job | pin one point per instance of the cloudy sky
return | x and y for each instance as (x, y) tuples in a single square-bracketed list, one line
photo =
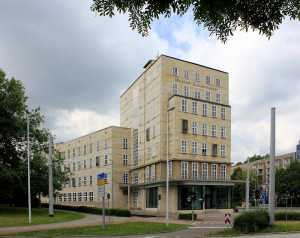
[(75, 65)]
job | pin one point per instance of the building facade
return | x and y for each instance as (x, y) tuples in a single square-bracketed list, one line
[(175, 106)]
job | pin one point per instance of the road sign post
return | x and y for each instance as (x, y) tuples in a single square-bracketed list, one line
[(227, 219), (101, 193)]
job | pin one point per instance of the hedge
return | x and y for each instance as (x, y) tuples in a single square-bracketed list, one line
[(91, 210), (291, 216), (187, 216), (250, 222)]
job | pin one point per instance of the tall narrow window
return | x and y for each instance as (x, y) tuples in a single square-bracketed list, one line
[(207, 96), (204, 109), (218, 82), (97, 161), (79, 197), (184, 170), (84, 149), (68, 154), (105, 143), (186, 74), (84, 180), (74, 197), (125, 178), (218, 98), (214, 111), (79, 181), (91, 147), (195, 107), (125, 143), (223, 132), (153, 150), (147, 173), (204, 148), (186, 91), (184, 105), (204, 170), (79, 165), (91, 196), (84, 164), (197, 95), (148, 134), (184, 146), (175, 88), (194, 147), (85, 196), (74, 166), (214, 172), (98, 145), (194, 170), (195, 127), (197, 77), (184, 126), (91, 163), (73, 152), (105, 160), (223, 172), (223, 113), (175, 71), (148, 152), (214, 150), (153, 172), (91, 180), (207, 79), (170, 169), (78, 151), (204, 129), (223, 151), (153, 131), (214, 130), (125, 159)]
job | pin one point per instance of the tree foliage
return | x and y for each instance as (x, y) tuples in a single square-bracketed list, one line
[(257, 157), (13, 146), (220, 17)]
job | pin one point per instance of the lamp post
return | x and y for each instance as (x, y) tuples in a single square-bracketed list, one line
[(28, 157), (204, 178), (167, 180), (247, 187)]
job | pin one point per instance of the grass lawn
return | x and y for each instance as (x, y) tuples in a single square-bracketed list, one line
[(113, 229), (18, 216), (279, 226)]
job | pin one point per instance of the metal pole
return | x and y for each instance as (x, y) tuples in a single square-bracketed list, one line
[(112, 185), (286, 208), (103, 213), (193, 207), (29, 190), (247, 187), (204, 177), (50, 178), (272, 169), (157, 197)]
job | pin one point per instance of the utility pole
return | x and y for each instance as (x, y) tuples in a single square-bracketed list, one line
[(28, 155), (247, 187), (272, 169), (50, 178)]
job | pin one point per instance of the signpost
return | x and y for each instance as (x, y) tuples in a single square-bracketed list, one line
[(101, 193), (227, 219), (264, 196)]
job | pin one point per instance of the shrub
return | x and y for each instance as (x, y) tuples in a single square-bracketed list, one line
[(186, 216), (291, 216), (250, 222)]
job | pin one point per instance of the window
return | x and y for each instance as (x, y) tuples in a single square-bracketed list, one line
[(207, 79), (153, 151), (148, 152), (105, 178), (91, 162), (195, 127), (84, 164), (91, 147), (223, 172), (214, 111), (69, 197), (91, 196), (218, 98), (78, 150), (197, 95), (85, 196), (184, 146), (204, 129), (125, 143), (68, 154), (84, 149), (207, 96), (186, 74), (73, 182), (135, 177), (153, 172), (79, 182), (153, 111), (65, 197), (91, 180), (148, 134), (175, 88), (105, 160), (195, 107), (186, 91), (84, 180), (79, 165), (125, 159), (79, 197), (204, 170), (197, 77), (98, 145), (184, 105), (170, 169), (204, 109), (223, 113), (184, 126), (223, 132), (74, 166), (73, 152), (214, 130), (125, 178), (105, 143), (214, 172), (184, 170), (153, 131), (214, 150), (60, 197), (194, 170), (175, 71), (97, 161), (147, 173), (194, 147), (204, 148), (223, 151)]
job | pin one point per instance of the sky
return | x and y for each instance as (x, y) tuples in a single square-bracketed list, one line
[(75, 65)]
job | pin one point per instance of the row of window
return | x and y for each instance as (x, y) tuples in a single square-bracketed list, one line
[(195, 109), (214, 129), (204, 150), (74, 197), (186, 75), (197, 94), (105, 146)]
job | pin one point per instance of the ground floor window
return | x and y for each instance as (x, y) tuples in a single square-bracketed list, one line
[(151, 197), (216, 197)]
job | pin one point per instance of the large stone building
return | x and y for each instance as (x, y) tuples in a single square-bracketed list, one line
[(183, 101)]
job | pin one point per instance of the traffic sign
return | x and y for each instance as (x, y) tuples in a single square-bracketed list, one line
[(101, 182), (263, 195), (276, 197), (227, 219), (101, 176), (101, 194), (264, 187)]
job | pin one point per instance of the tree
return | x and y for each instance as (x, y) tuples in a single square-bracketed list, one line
[(13, 146), (220, 17)]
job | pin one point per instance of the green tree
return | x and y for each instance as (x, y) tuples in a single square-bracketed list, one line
[(13, 146), (220, 17)]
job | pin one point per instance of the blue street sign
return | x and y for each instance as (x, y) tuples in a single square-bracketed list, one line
[(264, 196), (100, 176)]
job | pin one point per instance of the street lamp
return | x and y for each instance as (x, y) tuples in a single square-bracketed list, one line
[(167, 181), (28, 157), (204, 178)]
